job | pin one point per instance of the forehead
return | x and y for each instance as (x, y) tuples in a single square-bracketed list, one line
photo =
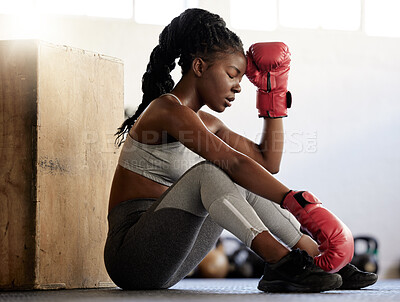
[(236, 59)]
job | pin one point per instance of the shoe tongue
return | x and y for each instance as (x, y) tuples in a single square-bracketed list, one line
[(296, 257), (303, 259)]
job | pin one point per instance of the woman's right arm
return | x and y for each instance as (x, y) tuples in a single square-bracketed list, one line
[(185, 125)]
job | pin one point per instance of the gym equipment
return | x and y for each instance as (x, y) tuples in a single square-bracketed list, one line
[(215, 264), (243, 262), (60, 108), (239, 262), (366, 257)]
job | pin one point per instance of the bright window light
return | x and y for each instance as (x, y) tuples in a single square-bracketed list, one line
[(16, 7), (95, 8), (327, 14), (341, 14), (160, 12), (254, 14), (25, 22), (299, 14), (382, 18)]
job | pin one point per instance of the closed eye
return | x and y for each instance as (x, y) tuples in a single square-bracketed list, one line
[(231, 77)]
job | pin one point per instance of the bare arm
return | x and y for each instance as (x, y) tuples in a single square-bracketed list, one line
[(187, 127), (271, 144), (267, 153)]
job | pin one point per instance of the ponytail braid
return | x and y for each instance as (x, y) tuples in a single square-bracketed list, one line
[(194, 33)]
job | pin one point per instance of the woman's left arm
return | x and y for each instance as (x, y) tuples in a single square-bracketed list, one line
[(268, 152)]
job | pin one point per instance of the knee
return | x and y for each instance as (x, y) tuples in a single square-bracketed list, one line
[(206, 168), (205, 165)]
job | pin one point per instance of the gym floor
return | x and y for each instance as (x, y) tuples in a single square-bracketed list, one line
[(228, 290)]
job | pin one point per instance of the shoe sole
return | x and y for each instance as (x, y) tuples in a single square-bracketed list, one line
[(279, 286), (357, 284)]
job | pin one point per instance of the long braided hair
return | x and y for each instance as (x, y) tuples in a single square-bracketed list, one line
[(194, 33)]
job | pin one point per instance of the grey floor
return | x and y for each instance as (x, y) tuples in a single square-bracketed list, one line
[(228, 290)]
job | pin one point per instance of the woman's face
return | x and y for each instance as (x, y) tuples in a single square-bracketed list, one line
[(221, 81)]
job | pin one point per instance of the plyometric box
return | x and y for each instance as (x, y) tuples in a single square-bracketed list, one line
[(59, 109)]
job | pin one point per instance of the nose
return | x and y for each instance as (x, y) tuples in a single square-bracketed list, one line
[(237, 88)]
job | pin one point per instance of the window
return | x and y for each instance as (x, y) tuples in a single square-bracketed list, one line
[(300, 14), (160, 12), (254, 14), (327, 14), (382, 18), (341, 14), (16, 6), (95, 8)]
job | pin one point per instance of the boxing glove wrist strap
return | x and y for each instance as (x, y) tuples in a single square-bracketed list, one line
[(273, 104)]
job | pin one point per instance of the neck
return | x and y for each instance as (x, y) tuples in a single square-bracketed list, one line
[(186, 91)]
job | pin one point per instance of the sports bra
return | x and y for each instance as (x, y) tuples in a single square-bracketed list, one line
[(163, 163)]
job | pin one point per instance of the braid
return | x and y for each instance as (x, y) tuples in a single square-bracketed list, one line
[(195, 33)]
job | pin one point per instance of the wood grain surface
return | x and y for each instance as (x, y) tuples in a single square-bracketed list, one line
[(59, 158)]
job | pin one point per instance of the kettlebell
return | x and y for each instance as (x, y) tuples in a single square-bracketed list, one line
[(215, 264), (367, 258), (243, 262)]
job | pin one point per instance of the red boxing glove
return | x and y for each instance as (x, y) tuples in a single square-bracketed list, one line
[(268, 67), (335, 240)]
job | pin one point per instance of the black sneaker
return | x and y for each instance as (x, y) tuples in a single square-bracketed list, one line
[(353, 278), (297, 273)]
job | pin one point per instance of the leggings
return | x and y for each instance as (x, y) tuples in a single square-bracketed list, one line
[(155, 243)]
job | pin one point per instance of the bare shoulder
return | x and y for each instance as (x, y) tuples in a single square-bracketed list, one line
[(162, 110), (167, 109), (195, 130), (213, 123), (161, 116), (164, 104)]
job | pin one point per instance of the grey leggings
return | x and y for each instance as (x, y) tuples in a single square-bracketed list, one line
[(154, 243)]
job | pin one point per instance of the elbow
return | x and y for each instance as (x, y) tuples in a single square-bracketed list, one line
[(273, 169), (271, 162)]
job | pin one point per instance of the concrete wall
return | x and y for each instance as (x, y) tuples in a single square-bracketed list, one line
[(342, 132)]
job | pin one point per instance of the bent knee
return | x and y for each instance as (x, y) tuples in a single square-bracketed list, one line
[(206, 168), (204, 165)]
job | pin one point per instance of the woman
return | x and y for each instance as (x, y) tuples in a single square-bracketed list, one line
[(183, 176)]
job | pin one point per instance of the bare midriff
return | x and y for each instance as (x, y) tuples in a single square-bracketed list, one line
[(130, 185)]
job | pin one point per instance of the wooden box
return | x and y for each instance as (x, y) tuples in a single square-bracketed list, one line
[(60, 107)]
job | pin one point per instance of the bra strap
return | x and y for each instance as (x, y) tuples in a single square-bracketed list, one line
[(173, 95)]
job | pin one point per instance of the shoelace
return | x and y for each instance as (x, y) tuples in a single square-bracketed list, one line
[(307, 260)]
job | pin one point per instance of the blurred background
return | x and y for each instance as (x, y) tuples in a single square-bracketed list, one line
[(342, 133)]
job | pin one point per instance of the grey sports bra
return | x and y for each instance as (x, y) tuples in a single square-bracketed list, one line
[(164, 163)]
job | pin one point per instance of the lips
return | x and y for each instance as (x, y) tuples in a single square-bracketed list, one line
[(228, 103)]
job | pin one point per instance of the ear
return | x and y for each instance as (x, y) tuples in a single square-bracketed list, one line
[(199, 66)]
